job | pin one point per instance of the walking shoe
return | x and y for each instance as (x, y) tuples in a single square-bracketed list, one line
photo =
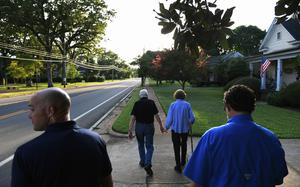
[(178, 169), (148, 170), (141, 164)]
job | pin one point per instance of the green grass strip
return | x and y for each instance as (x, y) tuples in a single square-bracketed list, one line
[(121, 124)]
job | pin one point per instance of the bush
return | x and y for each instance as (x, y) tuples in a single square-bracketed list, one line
[(291, 95), (252, 83), (237, 67), (101, 78), (275, 98)]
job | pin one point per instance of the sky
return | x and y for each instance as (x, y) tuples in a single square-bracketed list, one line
[(134, 29)]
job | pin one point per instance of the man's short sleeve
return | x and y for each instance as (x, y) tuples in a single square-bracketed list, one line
[(278, 161), (133, 111), (18, 177), (155, 110), (198, 167)]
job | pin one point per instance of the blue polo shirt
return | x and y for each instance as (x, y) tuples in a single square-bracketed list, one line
[(64, 155), (239, 153), (180, 116)]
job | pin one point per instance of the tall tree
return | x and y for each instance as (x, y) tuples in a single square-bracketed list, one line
[(82, 25), (196, 26), (246, 39), (181, 66), (68, 24), (144, 63), (285, 8)]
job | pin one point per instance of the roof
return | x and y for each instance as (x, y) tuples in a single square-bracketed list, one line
[(293, 27), (222, 58)]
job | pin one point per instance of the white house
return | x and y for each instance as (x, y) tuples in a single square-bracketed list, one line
[(281, 46)]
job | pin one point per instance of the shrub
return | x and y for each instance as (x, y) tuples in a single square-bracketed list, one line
[(237, 67), (252, 83), (291, 95), (275, 98), (101, 78)]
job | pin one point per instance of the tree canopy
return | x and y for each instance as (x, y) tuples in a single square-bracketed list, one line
[(58, 24), (246, 39), (197, 25), (285, 8)]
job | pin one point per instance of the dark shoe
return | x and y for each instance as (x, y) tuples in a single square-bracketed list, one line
[(141, 164), (148, 170), (178, 169)]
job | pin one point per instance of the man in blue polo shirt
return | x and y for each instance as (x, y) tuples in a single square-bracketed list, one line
[(64, 155), (239, 153)]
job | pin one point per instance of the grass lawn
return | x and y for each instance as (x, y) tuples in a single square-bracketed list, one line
[(121, 124), (21, 89), (208, 108)]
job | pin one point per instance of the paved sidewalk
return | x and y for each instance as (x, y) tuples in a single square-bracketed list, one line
[(126, 171)]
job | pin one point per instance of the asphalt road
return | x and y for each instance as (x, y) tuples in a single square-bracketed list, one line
[(88, 106)]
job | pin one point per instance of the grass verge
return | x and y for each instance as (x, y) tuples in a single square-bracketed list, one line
[(208, 108), (121, 124)]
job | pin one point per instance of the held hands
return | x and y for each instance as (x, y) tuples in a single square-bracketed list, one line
[(163, 130), (130, 135)]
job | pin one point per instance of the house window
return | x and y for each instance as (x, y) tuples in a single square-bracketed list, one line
[(278, 35)]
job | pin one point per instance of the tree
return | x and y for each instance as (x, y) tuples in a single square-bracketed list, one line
[(82, 25), (181, 66), (246, 39), (196, 27), (69, 24), (144, 63), (16, 71), (72, 71), (285, 8), (157, 72)]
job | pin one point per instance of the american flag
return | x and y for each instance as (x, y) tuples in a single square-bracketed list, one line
[(264, 66)]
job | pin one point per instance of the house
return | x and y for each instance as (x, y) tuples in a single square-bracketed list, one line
[(213, 61), (281, 46)]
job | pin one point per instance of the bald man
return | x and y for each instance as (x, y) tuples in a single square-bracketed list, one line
[(65, 154)]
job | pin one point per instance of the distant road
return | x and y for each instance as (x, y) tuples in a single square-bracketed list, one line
[(88, 106)]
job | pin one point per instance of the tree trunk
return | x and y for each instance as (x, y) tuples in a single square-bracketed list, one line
[(143, 81), (49, 74), (182, 84)]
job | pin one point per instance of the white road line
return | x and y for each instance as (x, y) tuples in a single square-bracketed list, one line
[(107, 113), (12, 156), (75, 119), (6, 160)]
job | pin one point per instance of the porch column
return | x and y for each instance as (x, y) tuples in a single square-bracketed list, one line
[(251, 69), (263, 81), (279, 75)]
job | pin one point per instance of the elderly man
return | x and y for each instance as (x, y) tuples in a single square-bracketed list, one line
[(239, 153), (65, 154), (142, 114)]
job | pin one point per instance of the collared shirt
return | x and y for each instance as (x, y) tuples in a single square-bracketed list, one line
[(64, 155), (239, 153), (144, 110), (180, 116)]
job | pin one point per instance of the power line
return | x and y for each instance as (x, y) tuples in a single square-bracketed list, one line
[(30, 51), (87, 66), (29, 59)]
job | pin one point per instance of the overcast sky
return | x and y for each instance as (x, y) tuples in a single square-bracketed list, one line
[(134, 28)]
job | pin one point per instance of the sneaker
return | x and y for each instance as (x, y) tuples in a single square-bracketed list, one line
[(141, 164), (178, 169), (148, 171)]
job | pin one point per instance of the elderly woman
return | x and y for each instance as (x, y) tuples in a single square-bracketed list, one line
[(180, 118)]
